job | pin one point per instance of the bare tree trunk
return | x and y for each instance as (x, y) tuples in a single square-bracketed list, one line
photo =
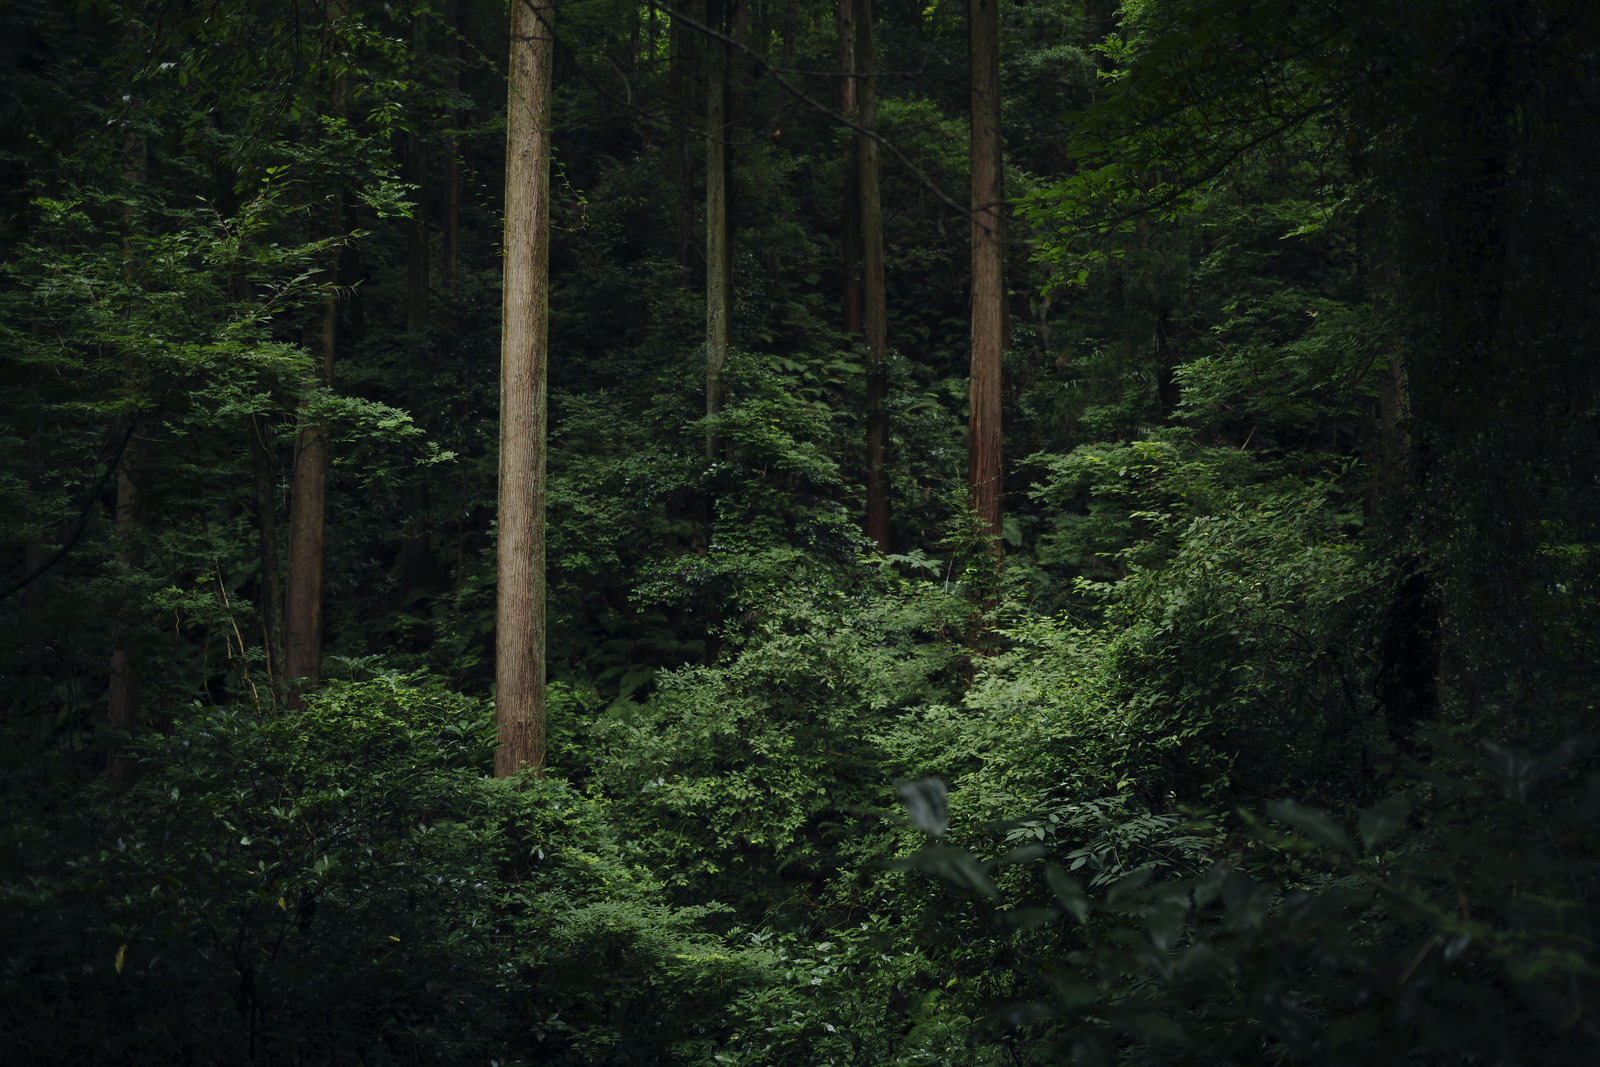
[(308, 494), (308, 502), (873, 289), (988, 271), (850, 236), (719, 286), (520, 601)]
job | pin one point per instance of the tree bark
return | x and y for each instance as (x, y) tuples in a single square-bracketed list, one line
[(719, 287), (875, 299), (520, 602), (850, 224), (308, 503), (988, 272), (308, 494)]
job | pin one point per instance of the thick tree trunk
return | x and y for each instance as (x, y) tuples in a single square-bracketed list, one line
[(875, 300), (719, 286), (988, 271), (520, 601)]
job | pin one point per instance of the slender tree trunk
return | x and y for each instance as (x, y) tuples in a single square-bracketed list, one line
[(308, 502), (719, 287), (988, 271), (520, 602), (873, 290), (850, 222), (308, 494)]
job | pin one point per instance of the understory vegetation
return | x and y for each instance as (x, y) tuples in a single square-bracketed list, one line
[(1262, 733)]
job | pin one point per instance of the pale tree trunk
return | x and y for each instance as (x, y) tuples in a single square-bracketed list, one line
[(988, 271), (872, 281), (520, 599), (719, 287)]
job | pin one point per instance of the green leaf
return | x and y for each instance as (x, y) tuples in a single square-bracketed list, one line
[(1383, 820), (1314, 825), (927, 803)]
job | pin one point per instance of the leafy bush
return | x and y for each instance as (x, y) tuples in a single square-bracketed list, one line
[(1458, 930), (344, 884)]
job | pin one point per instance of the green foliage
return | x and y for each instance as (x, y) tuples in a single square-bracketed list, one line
[(340, 883), (1448, 930), (756, 779)]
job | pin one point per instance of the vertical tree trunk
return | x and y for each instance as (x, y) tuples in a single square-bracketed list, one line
[(875, 299), (308, 494), (308, 502), (988, 271), (520, 602), (850, 235), (719, 287)]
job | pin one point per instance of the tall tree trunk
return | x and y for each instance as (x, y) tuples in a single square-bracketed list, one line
[(873, 291), (308, 494), (988, 271), (850, 235), (308, 502), (520, 601), (719, 286)]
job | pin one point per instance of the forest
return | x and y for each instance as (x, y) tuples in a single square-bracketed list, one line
[(924, 532)]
